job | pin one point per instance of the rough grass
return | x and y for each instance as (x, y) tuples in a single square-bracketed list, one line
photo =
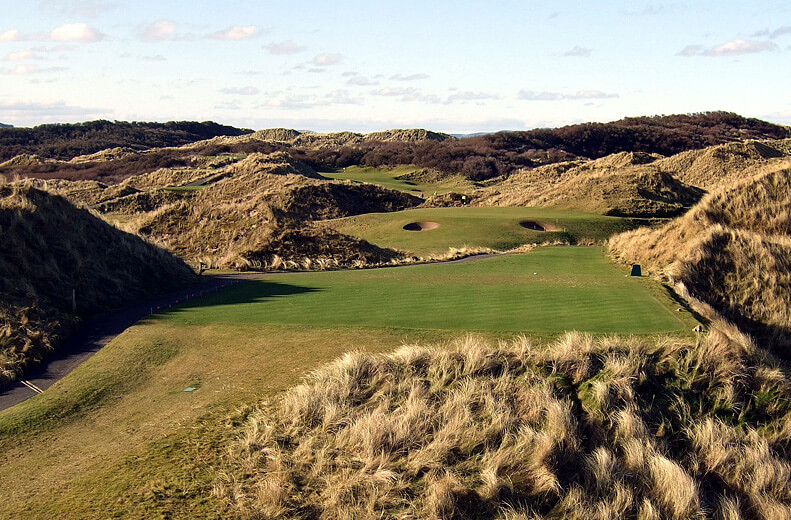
[(585, 429), (627, 184), (731, 251)]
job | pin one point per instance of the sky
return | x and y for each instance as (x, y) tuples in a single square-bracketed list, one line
[(453, 66)]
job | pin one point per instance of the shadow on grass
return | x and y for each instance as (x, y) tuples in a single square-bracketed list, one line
[(253, 291)]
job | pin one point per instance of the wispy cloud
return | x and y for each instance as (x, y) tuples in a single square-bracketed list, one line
[(410, 77), (654, 9), (407, 94), (240, 91), (236, 33), (326, 59), (81, 8), (20, 56), (26, 69), (532, 95), (737, 47), (361, 81), (161, 30), (781, 31), (283, 48), (464, 96), (68, 32), (28, 112), (75, 32), (578, 51)]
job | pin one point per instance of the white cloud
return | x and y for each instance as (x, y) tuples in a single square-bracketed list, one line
[(361, 81), (411, 77), (326, 59), (28, 113), (158, 31), (236, 33), (470, 96), (286, 47), (20, 56), (532, 95), (780, 31), (11, 35), (75, 32), (406, 94), (342, 97), (578, 51), (154, 57), (22, 70), (737, 47), (241, 91)]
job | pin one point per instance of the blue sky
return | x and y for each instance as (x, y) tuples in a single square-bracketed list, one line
[(454, 66)]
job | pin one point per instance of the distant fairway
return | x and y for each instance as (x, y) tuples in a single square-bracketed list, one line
[(386, 177), (492, 227), (550, 290)]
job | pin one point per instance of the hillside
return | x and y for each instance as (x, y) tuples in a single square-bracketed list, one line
[(732, 252), (66, 141), (490, 155), (245, 212), (51, 248), (625, 184)]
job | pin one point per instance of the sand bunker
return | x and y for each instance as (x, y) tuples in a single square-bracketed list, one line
[(538, 226), (421, 226)]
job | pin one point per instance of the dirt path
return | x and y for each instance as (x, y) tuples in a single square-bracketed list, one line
[(99, 331)]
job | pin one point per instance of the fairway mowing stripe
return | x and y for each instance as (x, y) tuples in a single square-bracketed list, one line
[(31, 386)]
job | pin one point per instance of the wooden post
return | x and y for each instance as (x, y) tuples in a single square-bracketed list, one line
[(74, 301)]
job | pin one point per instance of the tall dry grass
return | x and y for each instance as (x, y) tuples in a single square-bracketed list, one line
[(51, 248), (586, 428), (731, 251)]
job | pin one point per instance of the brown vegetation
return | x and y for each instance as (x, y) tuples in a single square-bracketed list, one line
[(582, 429), (731, 251), (51, 248), (623, 184), (258, 212)]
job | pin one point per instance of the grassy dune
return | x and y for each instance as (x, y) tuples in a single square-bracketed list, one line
[(495, 228), (584, 429)]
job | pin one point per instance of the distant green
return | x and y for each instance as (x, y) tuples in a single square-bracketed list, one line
[(549, 290), (387, 178), (492, 227)]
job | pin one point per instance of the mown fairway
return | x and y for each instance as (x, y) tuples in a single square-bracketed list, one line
[(491, 227), (549, 290), (388, 178)]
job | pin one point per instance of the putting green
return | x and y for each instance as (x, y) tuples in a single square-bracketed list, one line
[(388, 178), (491, 227), (549, 290)]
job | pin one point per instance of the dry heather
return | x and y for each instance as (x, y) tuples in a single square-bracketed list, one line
[(50, 248), (626, 184), (719, 166), (731, 251), (582, 429)]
